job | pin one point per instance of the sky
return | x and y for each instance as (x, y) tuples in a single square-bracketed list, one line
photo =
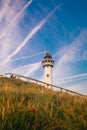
[(30, 28)]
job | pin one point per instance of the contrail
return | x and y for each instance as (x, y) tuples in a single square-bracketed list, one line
[(27, 69), (30, 35), (73, 77), (33, 69), (25, 57), (13, 22)]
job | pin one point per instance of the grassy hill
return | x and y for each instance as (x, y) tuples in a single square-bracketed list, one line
[(27, 106)]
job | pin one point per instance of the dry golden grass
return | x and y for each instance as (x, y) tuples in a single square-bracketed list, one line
[(27, 106)]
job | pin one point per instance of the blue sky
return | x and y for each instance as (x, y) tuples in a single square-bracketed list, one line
[(29, 28)]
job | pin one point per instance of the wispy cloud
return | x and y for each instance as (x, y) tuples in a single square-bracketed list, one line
[(14, 21), (11, 13), (3, 8), (70, 54), (34, 68), (30, 35), (7, 43), (76, 49), (73, 77), (26, 57), (10, 37), (27, 70), (80, 87)]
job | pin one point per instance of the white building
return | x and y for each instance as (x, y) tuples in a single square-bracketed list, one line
[(48, 63)]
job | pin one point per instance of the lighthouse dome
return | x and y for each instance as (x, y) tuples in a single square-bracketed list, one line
[(47, 56)]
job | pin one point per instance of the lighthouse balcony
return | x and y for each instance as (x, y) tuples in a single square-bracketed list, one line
[(48, 63)]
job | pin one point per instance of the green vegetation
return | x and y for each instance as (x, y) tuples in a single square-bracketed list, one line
[(27, 106)]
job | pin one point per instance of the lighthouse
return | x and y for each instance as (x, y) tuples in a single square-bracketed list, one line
[(48, 63)]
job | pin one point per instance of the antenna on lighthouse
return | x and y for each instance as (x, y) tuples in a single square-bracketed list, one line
[(48, 63)]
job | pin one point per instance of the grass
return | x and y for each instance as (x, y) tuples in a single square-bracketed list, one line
[(27, 106)]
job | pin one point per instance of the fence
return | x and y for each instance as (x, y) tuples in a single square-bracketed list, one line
[(28, 79)]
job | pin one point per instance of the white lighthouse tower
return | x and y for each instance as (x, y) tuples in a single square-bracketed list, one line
[(48, 63)]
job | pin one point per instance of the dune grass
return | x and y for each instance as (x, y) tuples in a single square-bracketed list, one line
[(27, 106)]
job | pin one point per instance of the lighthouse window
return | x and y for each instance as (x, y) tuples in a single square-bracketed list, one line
[(47, 75)]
